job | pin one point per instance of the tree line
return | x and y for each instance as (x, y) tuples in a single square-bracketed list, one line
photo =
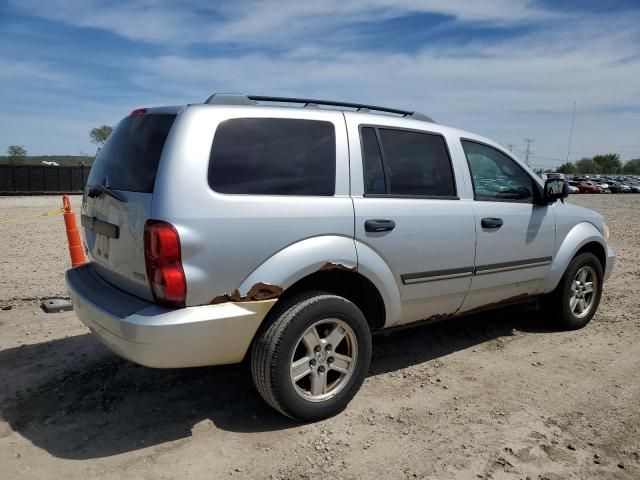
[(608, 164), (17, 154), (61, 160)]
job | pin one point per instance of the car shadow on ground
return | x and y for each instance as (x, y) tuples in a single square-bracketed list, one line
[(101, 405)]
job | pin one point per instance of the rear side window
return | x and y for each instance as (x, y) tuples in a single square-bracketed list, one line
[(274, 156), (408, 164), (130, 157), (373, 170)]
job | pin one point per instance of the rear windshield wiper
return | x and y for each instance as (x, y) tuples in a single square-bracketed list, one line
[(98, 189)]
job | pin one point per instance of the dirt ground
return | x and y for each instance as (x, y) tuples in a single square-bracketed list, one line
[(493, 396)]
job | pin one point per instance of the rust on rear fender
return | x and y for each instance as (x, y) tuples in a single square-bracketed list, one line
[(259, 291), (267, 291), (336, 266)]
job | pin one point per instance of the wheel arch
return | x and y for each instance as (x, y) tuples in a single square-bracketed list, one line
[(351, 285), (334, 264), (583, 237), (597, 249)]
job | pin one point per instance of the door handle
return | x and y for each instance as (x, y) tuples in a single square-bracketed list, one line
[(379, 225), (491, 222)]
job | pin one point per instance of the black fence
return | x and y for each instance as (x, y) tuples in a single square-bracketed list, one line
[(42, 179)]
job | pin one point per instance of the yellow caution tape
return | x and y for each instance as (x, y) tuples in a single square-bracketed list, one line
[(58, 211)]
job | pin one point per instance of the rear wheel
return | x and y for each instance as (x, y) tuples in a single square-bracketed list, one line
[(310, 362), (577, 296)]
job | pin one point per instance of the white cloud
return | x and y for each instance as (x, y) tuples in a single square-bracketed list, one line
[(32, 72), (264, 22), (524, 87), (508, 91), (274, 20), (526, 75), (151, 21)]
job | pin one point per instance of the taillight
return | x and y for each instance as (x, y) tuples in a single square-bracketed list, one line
[(164, 264), (138, 112)]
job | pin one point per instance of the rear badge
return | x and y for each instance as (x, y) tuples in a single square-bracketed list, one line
[(139, 275)]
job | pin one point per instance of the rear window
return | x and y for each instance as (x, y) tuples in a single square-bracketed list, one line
[(274, 156), (129, 159), (409, 163)]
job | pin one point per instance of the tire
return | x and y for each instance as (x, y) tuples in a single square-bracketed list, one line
[(332, 380), (559, 304)]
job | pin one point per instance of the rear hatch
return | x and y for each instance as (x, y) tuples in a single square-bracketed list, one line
[(125, 168)]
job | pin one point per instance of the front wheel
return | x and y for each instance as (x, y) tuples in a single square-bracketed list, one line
[(576, 298), (310, 362)]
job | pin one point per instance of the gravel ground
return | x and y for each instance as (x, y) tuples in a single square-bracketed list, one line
[(35, 249), (493, 396)]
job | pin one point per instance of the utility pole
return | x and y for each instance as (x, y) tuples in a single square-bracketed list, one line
[(573, 119), (528, 153)]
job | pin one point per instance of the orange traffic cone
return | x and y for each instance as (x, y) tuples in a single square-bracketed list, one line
[(73, 235)]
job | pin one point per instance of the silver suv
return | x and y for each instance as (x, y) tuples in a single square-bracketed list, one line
[(287, 230)]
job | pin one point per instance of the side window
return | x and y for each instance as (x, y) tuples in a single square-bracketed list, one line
[(496, 177), (409, 163), (373, 172), (274, 156)]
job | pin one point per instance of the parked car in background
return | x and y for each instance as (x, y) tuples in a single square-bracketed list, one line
[(603, 184), (589, 187), (618, 187), (246, 227), (548, 175), (615, 187)]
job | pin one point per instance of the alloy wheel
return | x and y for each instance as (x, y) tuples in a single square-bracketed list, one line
[(324, 359), (583, 291)]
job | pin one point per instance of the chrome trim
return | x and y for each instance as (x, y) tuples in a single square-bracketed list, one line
[(486, 269), (432, 278), (435, 275)]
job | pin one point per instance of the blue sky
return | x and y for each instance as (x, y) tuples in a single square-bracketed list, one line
[(507, 69)]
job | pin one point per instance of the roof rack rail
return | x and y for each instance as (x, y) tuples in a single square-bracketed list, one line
[(241, 99)]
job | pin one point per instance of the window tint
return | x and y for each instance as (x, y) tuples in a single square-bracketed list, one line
[(129, 159), (274, 156), (374, 175), (496, 177), (415, 164)]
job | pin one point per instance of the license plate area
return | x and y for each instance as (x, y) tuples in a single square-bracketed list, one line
[(100, 227)]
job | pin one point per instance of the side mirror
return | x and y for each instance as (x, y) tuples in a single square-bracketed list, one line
[(555, 189)]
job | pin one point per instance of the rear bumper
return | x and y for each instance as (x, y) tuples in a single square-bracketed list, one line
[(150, 335), (611, 260)]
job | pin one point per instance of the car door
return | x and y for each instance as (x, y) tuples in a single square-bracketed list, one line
[(407, 209), (515, 234)]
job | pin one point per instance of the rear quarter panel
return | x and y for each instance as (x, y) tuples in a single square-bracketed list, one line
[(225, 238)]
